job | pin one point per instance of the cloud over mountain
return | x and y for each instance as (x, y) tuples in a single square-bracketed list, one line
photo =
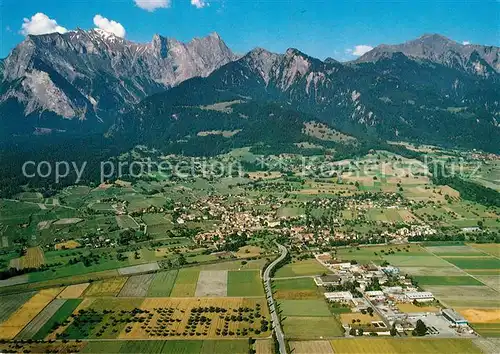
[(41, 24), (109, 26), (359, 50)]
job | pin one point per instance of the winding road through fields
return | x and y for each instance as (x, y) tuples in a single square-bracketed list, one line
[(269, 295)]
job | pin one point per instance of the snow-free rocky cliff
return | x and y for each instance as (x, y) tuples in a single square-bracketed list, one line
[(94, 75)]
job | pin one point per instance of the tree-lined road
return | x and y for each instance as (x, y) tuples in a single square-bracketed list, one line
[(269, 294)]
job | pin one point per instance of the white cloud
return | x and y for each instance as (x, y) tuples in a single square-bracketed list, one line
[(199, 3), (465, 42), (109, 26), (41, 24), (151, 5), (359, 50)]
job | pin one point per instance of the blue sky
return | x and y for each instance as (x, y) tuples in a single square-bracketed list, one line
[(319, 28)]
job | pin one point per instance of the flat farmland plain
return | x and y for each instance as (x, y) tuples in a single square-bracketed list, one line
[(465, 296), (311, 346), (162, 284), (108, 287), (312, 327), (60, 316), (33, 258), (39, 321), (298, 268), (446, 280), (244, 283), (212, 283), (475, 262), (185, 283), (308, 308), (136, 286), (395, 346), (295, 289), (185, 318), (492, 249), (27, 312), (73, 291), (10, 303)]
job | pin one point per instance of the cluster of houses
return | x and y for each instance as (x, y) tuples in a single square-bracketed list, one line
[(386, 301)]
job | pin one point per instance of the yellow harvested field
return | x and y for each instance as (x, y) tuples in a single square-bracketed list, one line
[(68, 245), (364, 319), (410, 308), (19, 319), (108, 287), (311, 346), (162, 325), (73, 291), (481, 315), (33, 258), (406, 345), (263, 346), (248, 251)]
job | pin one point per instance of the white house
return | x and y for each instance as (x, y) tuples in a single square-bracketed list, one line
[(339, 296), (420, 296)]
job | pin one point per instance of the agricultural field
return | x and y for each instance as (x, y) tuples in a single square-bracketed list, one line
[(485, 321), (244, 283), (492, 249), (61, 315), (33, 258), (39, 321), (126, 222), (108, 287), (212, 283), (299, 268), (377, 254), (162, 284), (295, 289), (10, 303), (26, 313), (465, 296), (73, 291), (444, 280), (311, 346), (312, 327), (396, 345), (185, 283), (199, 317), (306, 308), (136, 286)]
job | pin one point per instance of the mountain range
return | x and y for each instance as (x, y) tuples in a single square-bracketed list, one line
[(431, 89)]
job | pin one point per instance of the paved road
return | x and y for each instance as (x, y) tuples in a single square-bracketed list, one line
[(269, 294)]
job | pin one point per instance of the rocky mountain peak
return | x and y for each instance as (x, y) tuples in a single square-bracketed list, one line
[(95, 71), (440, 49)]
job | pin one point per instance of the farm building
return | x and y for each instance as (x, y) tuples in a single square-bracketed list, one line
[(339, 296), (420, 296), (454, 317), (326, 280)]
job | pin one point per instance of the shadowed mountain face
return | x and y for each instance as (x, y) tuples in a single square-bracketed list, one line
[(396, 96), (63, 80), (430, 89)]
